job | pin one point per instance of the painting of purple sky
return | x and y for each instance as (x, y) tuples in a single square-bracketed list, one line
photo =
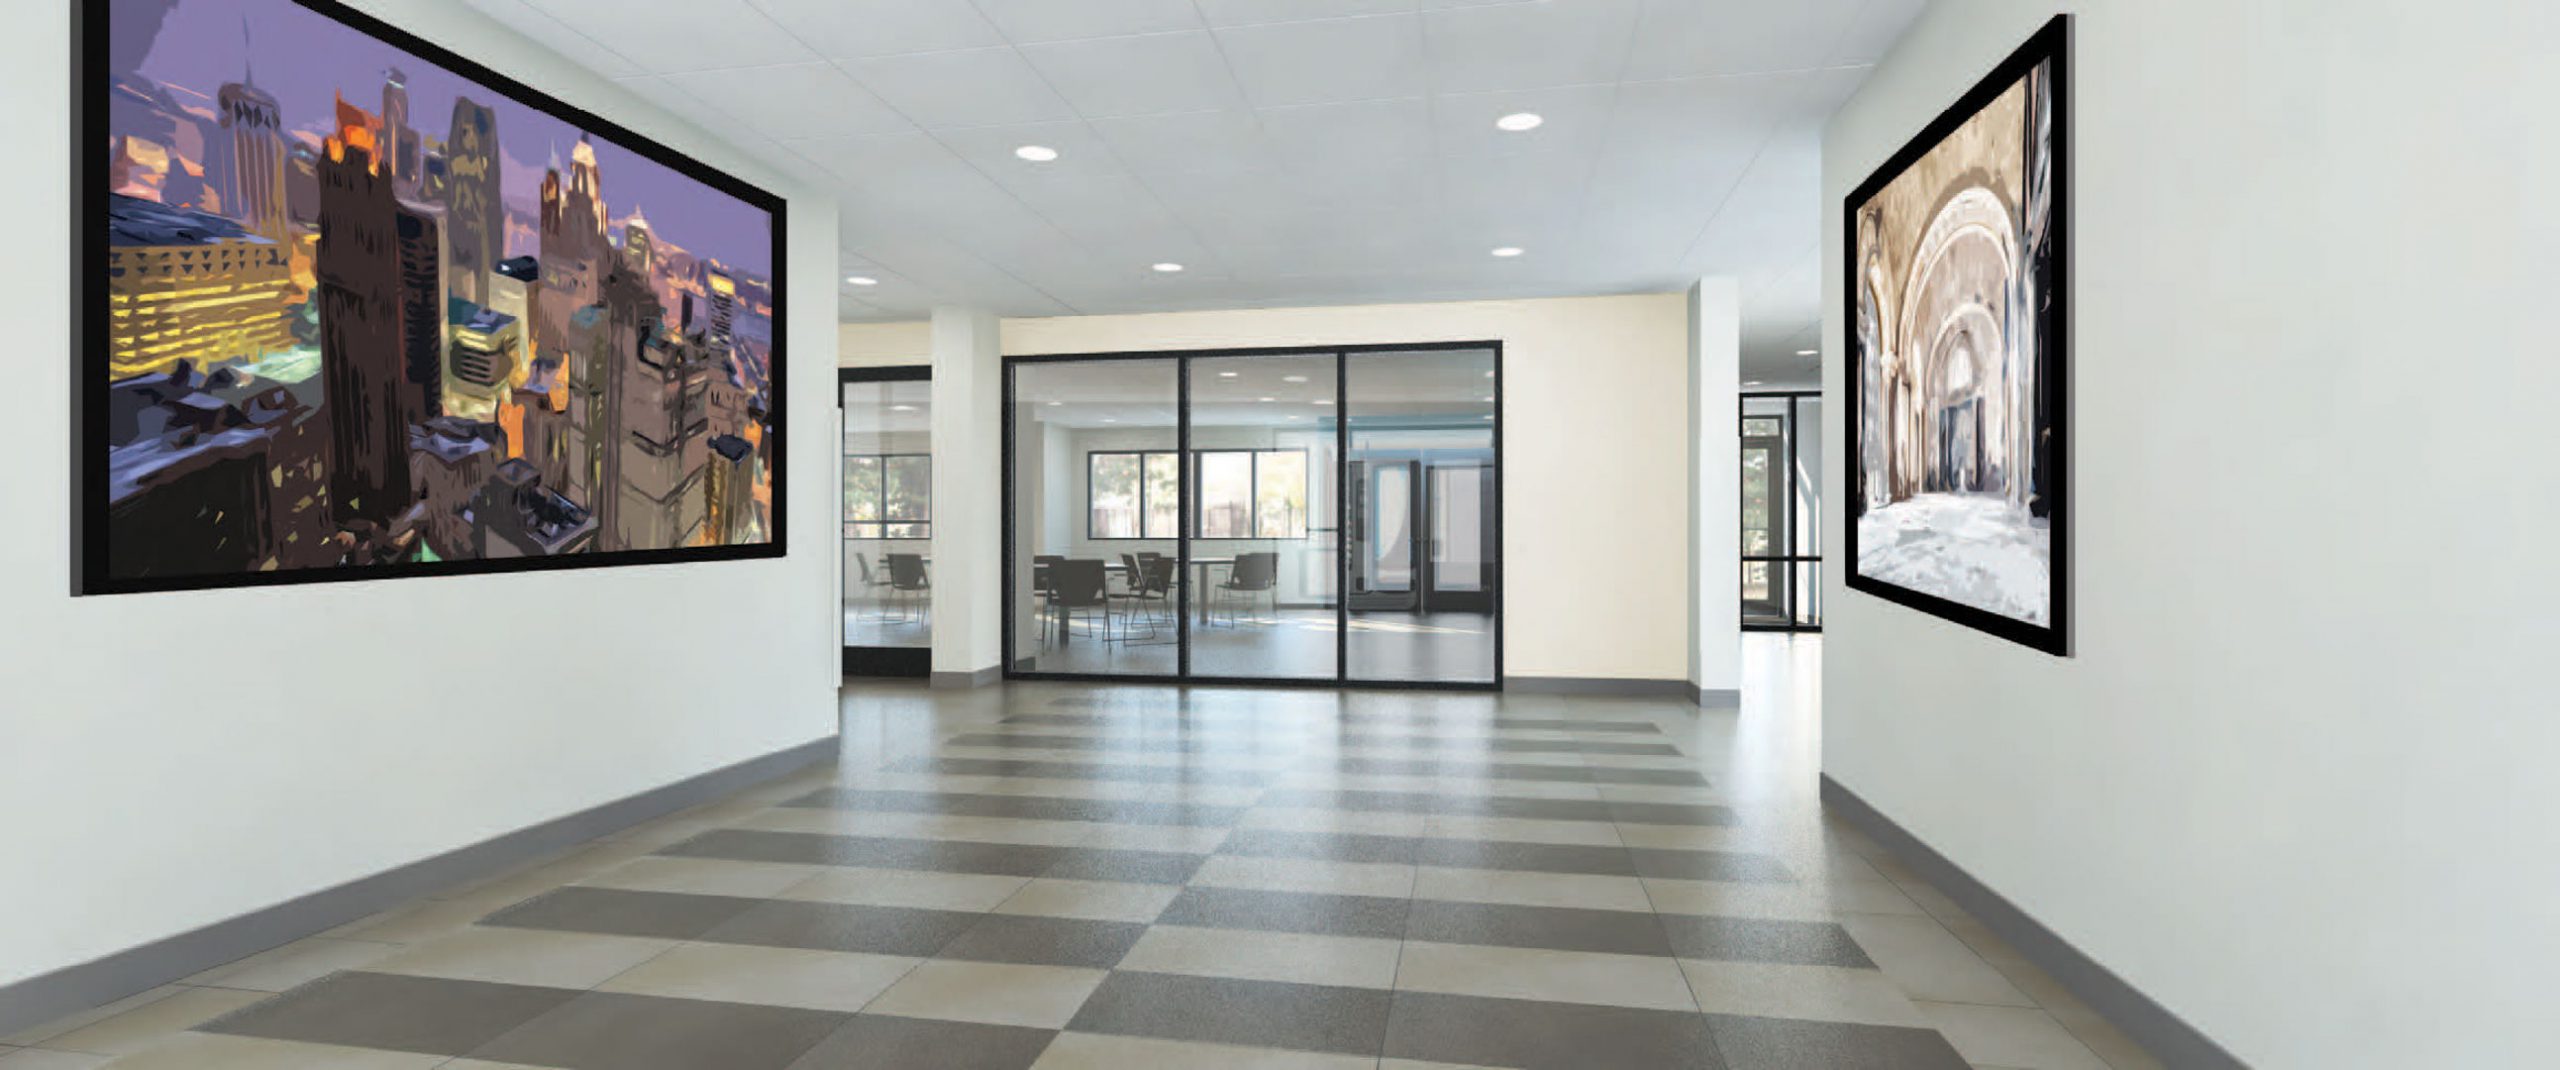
[(360, 313)]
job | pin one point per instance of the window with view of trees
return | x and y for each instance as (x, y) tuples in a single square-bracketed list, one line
[(1243, 494), (888, 496)]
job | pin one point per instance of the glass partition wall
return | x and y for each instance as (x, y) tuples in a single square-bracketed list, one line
[(888, 520), (1208, 493), (1782, 511)]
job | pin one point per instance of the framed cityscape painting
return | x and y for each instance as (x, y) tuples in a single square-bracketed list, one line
[(353, 307), (1957, 342)]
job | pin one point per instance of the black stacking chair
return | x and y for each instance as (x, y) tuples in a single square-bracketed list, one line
[(908, 579)]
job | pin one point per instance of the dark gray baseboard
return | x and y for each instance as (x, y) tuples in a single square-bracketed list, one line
[(49, 996), (1598, 685), (965, 680), (1718, 697), (2155, 1027)]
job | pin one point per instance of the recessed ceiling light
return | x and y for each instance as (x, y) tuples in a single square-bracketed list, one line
[(1036, 153), (1488, 416), (862, 280), (1488, 375), (1519, 121), (1508, 251), (1807, 352), (1324, 401), (902, 408), (1055, 404), (1168, 267), (1110, 419), (1488, 398), (1751, 382), (1266, 399), (1293, 378), (1229, 375)]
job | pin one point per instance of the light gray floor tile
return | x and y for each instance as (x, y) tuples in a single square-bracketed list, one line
[(2020, 1037), (997, 993), (1514, 973), (153, 1022)]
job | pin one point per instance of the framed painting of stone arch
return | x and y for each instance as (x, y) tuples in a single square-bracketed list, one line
[(1957, 341), (351, 306)]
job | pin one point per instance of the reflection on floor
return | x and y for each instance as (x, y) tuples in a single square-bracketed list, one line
[(1294, 644), (1063, 875), (886, 625)]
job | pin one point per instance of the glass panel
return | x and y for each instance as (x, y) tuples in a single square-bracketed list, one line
[(1425, 499), (1095, 499), (1280, 494), (888, 514), (1226, 494), (1114, 488), (1265, 566), (1457, 528), (1164, 495)]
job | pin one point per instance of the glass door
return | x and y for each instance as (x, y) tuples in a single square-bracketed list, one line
[(888, 520), (1421, 441)]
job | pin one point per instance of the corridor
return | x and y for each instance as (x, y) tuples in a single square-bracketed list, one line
[(1059, 876)]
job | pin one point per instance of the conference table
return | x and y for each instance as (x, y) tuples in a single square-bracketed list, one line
[(1200, 605)]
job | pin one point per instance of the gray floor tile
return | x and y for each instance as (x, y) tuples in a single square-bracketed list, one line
[(1680, 777), (844, 927), (1328, 846), (1267, 1014), (1535, 1035), (1024, 767), (881, 1042), (612, 1031), (1617, 932), (1044, 808), (1045, 941), (1708, 865), (945, 856), (1570, 724), (621, 912), (1476, 768), (1793, 1044), (1532, 857), (1131, 867), (1643, 813), (1294, 912), (1804, 943), (376, 1010)]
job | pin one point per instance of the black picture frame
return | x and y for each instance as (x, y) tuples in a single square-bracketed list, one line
[(91, 82), (2049, 45)]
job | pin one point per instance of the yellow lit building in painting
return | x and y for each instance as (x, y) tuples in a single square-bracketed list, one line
[(184, 285)]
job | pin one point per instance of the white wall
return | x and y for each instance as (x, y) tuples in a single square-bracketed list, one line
[(2296, 782), (173, 760), (1595, 427)]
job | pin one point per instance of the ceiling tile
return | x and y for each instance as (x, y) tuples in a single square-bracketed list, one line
[(990, 149), (1148, 74), (1369, 128), (1577, 120), (1529, 46), (762, 98), (692, 36), (1246, 12), (1367, 58), (1685, 38), (1228, 140), (558, 36), (846, 29), (972, 87), (1027, 21), (1872, 33)]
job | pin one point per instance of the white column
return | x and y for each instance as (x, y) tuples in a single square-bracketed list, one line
[(968, 493), (1715, 500)]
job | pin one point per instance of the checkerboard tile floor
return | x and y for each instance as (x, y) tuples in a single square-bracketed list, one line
[(1054, 877)]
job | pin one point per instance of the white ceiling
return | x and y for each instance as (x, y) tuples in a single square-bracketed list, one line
[(1289, 152)]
